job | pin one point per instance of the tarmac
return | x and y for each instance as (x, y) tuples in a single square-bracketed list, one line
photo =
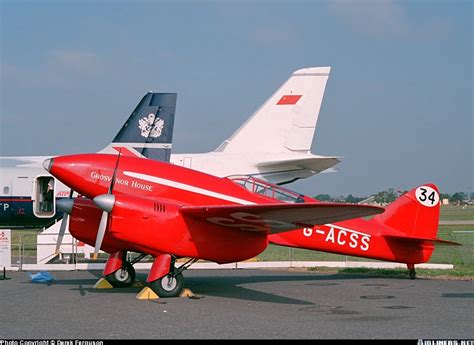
[(239, 304)]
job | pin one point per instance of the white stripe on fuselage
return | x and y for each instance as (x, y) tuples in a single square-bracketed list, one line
[(346, 229), (187, 187), (194, 189)]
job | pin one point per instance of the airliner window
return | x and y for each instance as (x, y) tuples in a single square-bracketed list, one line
[(6, 190)]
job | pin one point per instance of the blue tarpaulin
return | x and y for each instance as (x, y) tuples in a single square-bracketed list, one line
[(40, 277)]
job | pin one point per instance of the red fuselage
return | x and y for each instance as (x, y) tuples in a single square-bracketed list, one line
[(146, 216)]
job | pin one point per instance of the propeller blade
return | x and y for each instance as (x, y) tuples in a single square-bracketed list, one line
[(106, 203), (100, 234), (112, 183), (62, 231), (66, 206)]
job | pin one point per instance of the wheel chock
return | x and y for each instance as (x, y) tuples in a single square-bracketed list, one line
[(102, 283), (187, 293), (147, 293)]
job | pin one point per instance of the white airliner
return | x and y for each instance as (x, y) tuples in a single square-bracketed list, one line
[(273, 144)]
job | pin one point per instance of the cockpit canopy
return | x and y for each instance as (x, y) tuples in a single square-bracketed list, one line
[(267, 189)]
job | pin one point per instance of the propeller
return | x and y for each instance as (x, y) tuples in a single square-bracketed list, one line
[(66, 206), (106, 203)]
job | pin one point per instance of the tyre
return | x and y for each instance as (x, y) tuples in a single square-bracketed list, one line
[(169, 285), (123, 277)]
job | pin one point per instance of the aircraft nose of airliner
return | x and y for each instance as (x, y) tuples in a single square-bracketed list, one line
[(47, 164)]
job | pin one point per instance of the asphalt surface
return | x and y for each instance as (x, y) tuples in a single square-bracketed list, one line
[(244, 304)]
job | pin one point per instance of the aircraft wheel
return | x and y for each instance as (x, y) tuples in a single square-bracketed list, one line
[(412, 273), (123, 277), (169, 285)]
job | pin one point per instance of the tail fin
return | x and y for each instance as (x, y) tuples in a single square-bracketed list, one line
[(148, 132), (414, 216), (287, 120)]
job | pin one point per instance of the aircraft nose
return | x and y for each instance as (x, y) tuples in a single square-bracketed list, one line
[(48, 164), (65, 205)]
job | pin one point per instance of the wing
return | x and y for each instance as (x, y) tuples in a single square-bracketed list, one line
[(275, 218)]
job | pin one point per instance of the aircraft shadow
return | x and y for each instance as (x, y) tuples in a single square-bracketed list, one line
[(232, 287), (226, 287)]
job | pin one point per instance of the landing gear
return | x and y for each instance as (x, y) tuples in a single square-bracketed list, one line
[(165, 279), (168, 286), (118, 271), (411, 271), (123, 277)]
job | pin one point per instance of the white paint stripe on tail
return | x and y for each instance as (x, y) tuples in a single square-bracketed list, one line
[(349, 230)]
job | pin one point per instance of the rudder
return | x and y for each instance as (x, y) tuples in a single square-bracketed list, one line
[(415, 214), (148, 132), (286, 122)]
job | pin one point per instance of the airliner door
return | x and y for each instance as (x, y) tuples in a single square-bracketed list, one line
[(44, 205), (187, 162)]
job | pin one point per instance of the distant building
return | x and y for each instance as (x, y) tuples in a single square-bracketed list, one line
[(445, 201), (371, 201)]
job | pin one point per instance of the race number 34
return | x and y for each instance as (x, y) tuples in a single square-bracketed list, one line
[(427, 196)]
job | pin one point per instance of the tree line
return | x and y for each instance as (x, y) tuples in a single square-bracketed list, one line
[(390, 195)]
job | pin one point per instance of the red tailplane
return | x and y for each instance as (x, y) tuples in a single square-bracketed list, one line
[(406, 232)]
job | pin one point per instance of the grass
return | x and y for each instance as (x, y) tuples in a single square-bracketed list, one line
[(452, 212), (26, 239), (24, 236), (456, 255)]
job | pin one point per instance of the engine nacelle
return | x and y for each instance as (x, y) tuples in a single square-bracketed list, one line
[(157, 226)]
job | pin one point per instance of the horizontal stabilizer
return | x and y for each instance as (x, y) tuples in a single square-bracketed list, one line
[(275, 218), (421, 240), (314, 163)]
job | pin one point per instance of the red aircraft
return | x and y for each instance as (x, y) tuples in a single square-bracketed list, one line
[(170, 212)]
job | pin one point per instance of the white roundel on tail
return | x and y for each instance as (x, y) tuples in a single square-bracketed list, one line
[(427, 196)]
